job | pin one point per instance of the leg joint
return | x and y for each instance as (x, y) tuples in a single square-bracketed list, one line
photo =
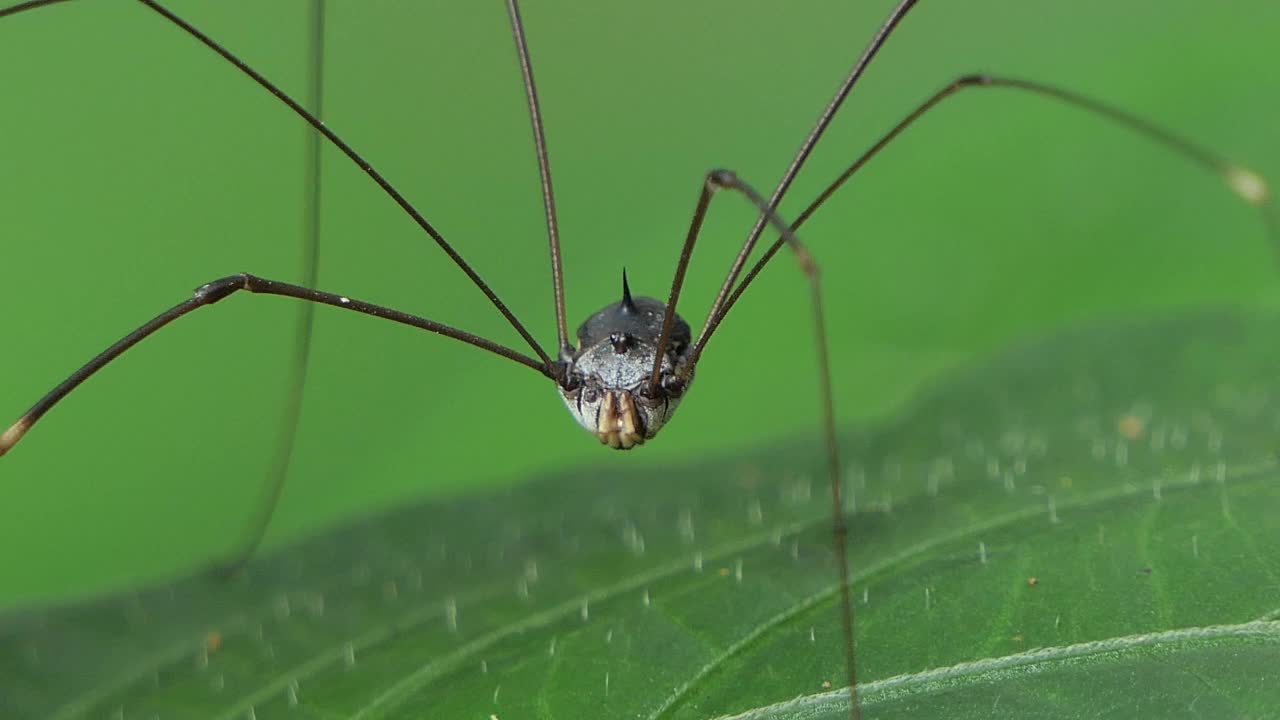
[(973, 79), (721, 179), (212, 292)]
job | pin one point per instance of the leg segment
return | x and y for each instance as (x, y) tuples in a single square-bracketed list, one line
[(544, 174), (338, 143), (211, 293), (726, 180), (304, 329), (1245, 183), (828, 114)]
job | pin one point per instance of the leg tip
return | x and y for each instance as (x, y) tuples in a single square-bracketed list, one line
[(14, 434), (1247, 184)]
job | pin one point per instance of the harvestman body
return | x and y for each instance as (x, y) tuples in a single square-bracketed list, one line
[(608, 388), (635, 358)]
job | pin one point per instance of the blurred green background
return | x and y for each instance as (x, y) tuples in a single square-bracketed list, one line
[(134, 166)]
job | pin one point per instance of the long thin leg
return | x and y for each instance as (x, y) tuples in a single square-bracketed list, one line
[(709, 186), (806, 148), (339, 143), (1244, 182), (727, 180), (278, 471), (544, 173), (211, 293)]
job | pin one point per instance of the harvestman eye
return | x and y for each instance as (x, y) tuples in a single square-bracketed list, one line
[(635, 359)]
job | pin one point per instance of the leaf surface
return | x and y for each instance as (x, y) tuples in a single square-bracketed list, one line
[(1085, 527)]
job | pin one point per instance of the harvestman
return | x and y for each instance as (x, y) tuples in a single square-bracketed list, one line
[(635, 358)]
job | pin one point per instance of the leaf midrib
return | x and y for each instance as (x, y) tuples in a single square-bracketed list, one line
[(975, 671)]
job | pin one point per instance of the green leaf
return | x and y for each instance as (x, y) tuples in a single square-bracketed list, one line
[(1086, 527)]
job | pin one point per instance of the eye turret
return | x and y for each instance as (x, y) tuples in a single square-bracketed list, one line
[(637, 320), (620, 342)]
